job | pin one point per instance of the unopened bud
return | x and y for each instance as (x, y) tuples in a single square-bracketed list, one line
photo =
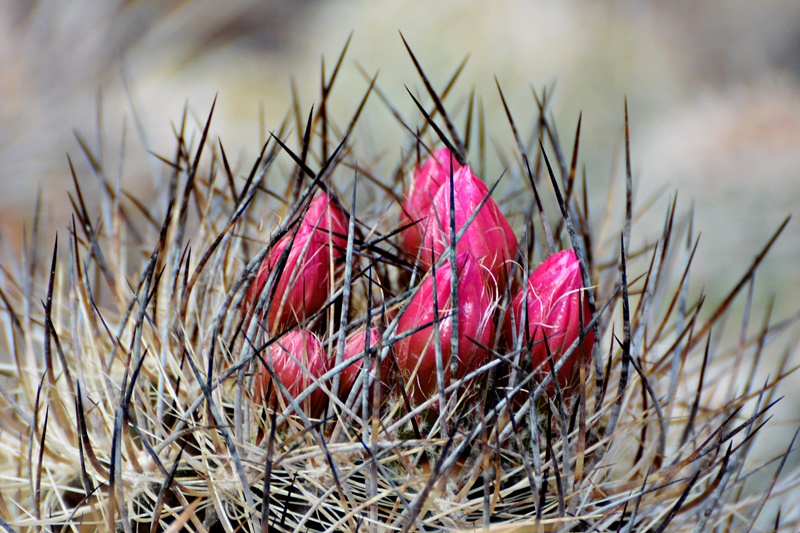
[(416, 354), (298, 360), (355, 348), (303, 285), (489, 237), (425, 183), (556, 309)]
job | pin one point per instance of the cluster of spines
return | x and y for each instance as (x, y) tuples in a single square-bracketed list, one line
[(164, 431)]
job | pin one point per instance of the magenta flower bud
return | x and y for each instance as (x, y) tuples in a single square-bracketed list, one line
[(354, 347), (556, 308), (303, 285), (327, 223), (489, 237), (416, 354), (426, 182), (306, 349)]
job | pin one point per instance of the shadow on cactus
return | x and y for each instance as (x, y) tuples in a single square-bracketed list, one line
[(280, 348)]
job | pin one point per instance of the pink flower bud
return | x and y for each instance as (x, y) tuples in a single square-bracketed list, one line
[(354, 347), (306, 349), (416, 354), (327, 223), (555, 304), (303, 285), (489, 237), (426, 182)]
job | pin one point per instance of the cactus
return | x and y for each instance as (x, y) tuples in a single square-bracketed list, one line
[(139, 393)]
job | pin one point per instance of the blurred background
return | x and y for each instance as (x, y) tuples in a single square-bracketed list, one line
[(713, 93)]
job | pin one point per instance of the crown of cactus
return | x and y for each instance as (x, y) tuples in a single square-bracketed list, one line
[(231, 385)]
